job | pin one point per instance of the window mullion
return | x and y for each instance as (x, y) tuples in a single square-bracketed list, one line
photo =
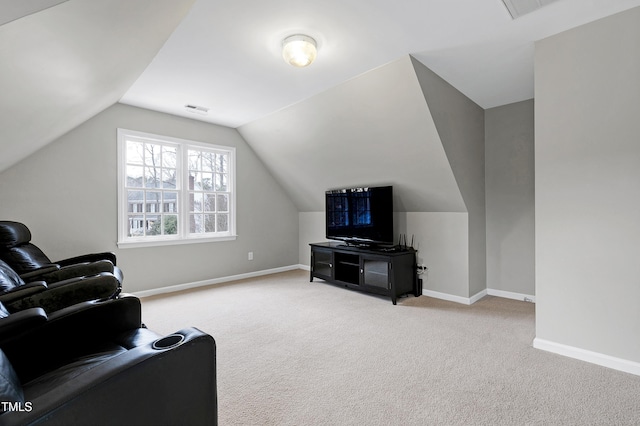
[(183, 193)]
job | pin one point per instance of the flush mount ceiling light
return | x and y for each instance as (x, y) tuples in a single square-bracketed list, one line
[(299, 50)]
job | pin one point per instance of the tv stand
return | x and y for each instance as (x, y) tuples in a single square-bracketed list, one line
[(389, 271)]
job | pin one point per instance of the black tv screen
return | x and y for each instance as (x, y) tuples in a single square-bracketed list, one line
[(360, 215)]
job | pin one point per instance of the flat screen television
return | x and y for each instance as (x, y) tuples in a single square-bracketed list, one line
[(362, 215)]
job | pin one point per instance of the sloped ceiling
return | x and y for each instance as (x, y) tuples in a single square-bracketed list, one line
[(375, 129), (61, 63), (64, 64)]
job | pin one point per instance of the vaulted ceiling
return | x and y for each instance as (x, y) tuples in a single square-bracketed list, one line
[(62, 62)]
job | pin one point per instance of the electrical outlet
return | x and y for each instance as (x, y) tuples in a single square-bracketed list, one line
[(250, 256)]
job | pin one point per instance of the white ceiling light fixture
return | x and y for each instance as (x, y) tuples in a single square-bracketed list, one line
[(299, 50)]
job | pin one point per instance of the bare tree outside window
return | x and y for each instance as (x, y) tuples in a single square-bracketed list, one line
[(173, 188), (208, 176), (152, 168)]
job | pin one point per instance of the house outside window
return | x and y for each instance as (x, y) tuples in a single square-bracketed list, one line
[(173, 191)]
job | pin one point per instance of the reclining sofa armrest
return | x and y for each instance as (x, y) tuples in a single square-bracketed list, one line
[(76, 270), (19, 321), (78, 323), (144, 385), (111, 316), (22, 291), (36, 273), (69, 331), (61, 294), (85, 280), (91, 257)]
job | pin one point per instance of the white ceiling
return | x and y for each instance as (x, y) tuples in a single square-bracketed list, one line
[(225, 55)]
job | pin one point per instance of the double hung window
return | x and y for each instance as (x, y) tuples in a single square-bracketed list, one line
[(173, 191)]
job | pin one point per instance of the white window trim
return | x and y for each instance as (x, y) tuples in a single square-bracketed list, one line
[(124, 241)]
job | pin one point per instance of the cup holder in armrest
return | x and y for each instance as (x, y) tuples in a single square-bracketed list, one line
[(169, 341)]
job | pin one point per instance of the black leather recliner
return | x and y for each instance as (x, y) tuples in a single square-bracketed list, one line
[(94, 363), (17, 295), (31, 263)]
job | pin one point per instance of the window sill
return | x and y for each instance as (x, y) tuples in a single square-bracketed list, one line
[(173, 242)]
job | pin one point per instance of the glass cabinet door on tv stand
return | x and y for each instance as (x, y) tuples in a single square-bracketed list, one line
[(322, 264), (375, 272)]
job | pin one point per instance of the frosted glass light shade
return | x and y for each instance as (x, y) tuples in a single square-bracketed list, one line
[(299, 50)]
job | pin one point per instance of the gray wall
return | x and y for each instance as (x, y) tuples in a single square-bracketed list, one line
[(587, 159), (460, 125), (66, 194), (510, 198)]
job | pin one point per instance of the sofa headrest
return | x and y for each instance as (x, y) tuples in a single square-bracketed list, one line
[(8, 278), (13, 234), (16, 249)]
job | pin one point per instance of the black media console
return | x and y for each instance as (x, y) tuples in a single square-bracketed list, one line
[(388, 272)]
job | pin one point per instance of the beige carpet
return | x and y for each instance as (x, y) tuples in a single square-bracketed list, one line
[(291, 352)]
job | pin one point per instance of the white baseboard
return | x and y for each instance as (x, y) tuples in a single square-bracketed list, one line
[(186, 286), (588, 356), (511, 295), (473, 299), (453, 298), (430, 293)]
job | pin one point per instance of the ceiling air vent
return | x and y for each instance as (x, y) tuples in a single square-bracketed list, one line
[(517, 8), (196, 109)]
